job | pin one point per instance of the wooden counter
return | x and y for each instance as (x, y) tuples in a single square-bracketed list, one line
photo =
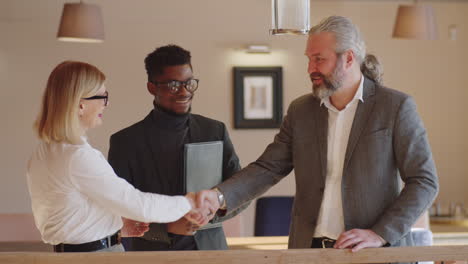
[(281, 242), (260, 243), (291, 256)]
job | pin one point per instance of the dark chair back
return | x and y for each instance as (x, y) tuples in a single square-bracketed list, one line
[(273, 216)]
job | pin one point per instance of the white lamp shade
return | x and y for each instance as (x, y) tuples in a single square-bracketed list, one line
[(81, 23), (415, 22), (290, 17)]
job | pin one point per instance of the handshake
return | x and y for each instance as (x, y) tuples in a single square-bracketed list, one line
[(204, 204)]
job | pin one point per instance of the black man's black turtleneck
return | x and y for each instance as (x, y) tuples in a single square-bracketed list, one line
[(172, 134)]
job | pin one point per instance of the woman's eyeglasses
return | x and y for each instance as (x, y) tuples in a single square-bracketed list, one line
[(96, 97)]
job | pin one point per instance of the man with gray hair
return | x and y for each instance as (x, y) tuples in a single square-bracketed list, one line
[(349, 142)]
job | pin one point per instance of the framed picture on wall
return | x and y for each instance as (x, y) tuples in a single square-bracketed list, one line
[(258, 97)]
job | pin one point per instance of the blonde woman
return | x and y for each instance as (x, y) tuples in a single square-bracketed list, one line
[(77, 200)]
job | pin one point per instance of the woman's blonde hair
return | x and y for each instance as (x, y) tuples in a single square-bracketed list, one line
[(69, 82)]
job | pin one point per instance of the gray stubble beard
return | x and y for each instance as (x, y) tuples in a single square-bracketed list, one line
[(331, 83)]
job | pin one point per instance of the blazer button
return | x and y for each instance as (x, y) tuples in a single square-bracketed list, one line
[(322, 189)]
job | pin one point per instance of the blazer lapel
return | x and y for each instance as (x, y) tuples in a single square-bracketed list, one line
[(363, 112), (194, 132), (322, 138), (149, 130)]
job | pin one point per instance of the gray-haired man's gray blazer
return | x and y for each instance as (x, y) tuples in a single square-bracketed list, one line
[(387, 139)]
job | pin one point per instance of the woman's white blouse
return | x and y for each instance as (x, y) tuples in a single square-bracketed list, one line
[(77, 197)]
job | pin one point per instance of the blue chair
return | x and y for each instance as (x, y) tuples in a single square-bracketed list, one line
[(273, 216)]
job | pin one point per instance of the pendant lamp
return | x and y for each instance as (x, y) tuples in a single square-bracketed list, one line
[(81, 22), (415, 22), (290, 17)]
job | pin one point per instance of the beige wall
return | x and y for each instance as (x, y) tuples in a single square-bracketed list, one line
[(434, 72)]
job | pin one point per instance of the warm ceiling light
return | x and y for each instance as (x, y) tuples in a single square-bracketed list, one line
[(258, 49), (290, 17), (415, 22), (81, 23)]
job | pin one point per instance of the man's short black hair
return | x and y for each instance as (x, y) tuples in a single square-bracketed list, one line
[(170, 55)]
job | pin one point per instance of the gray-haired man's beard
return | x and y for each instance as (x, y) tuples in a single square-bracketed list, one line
[(330, 84), (323, 90)]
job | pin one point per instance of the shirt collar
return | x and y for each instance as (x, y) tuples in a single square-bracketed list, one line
[(360, 90), (357, 96)]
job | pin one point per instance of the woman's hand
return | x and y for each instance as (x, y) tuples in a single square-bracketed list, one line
[(198, 216), (132, 228), (182, 227)]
